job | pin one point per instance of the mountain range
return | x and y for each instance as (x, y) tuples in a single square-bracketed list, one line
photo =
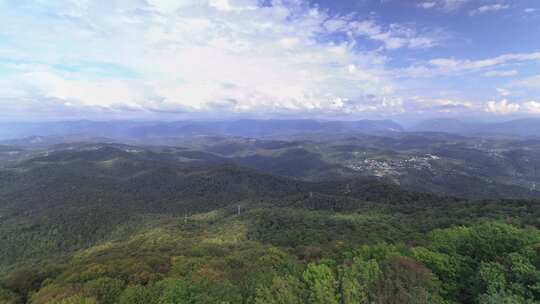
[(115, 223), (134, 130), (522, 127)]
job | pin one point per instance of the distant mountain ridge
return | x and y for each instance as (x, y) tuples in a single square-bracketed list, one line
[(529, 127), (244, 128), (137, 130), (86, 193)]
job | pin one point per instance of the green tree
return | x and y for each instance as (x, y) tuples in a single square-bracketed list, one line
[(105, 290), (405, 281), (321, 284), (77, 299), (502, 298), (448, 269), (24, 280), (8, 297), (137, 294), (350, 289), (378, 252), (493, 277), (180, 291), (172, 291), (356, 279), (284, 290), (524, 276)]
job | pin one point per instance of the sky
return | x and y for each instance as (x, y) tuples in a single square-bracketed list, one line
[(346, 59)]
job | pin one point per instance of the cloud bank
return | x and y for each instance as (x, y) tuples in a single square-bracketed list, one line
[(280, 57)]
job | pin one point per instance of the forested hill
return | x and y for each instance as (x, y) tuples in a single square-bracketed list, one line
[(118, 224), (150, 182)]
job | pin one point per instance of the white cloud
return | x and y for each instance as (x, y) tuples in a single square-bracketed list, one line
[(489, 8), (426, 4), (226, 56), (502, 107), (503, 92), (502, 73), (449, 66), (231, 5), (446, 5), (394, 36), (505, 107), (289, 42), (220, 55), (530, 10), (168, 6), (532, 107), (44, 82), (532, 82), (442, 105)]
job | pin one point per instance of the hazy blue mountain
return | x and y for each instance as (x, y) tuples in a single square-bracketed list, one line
[(529, 127), (245, 128), (446, 125), (264, 128), (525, 127), (118, 129)]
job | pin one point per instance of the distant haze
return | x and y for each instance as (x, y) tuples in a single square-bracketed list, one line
[(137, 130)]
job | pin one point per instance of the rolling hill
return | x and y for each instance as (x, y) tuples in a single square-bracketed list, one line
[(131, 130), (113, 223), (529, 127)]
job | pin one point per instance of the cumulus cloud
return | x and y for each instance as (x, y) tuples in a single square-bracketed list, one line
[(489, 8), (393, 36), (224, 55), (501, 73), (532, 82), (427, 5), (532, 107), (502, 107), (448, 66), (503, 92), (431, 105), (505, 107), (447, 5)]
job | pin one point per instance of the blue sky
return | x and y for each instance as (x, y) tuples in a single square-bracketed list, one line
[(71, 59)]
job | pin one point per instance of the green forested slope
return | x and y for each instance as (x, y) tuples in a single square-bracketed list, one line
[(110, 226)]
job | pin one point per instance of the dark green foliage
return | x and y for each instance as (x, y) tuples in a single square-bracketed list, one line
[(105, 290), (109, 226), (175, 291), (156, 270), (76, 300), (321, 284), (405, 281), (137, 294), (282, 290), (8, 296), (25, 280)]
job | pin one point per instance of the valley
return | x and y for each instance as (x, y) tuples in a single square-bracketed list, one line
[(118, 221)]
